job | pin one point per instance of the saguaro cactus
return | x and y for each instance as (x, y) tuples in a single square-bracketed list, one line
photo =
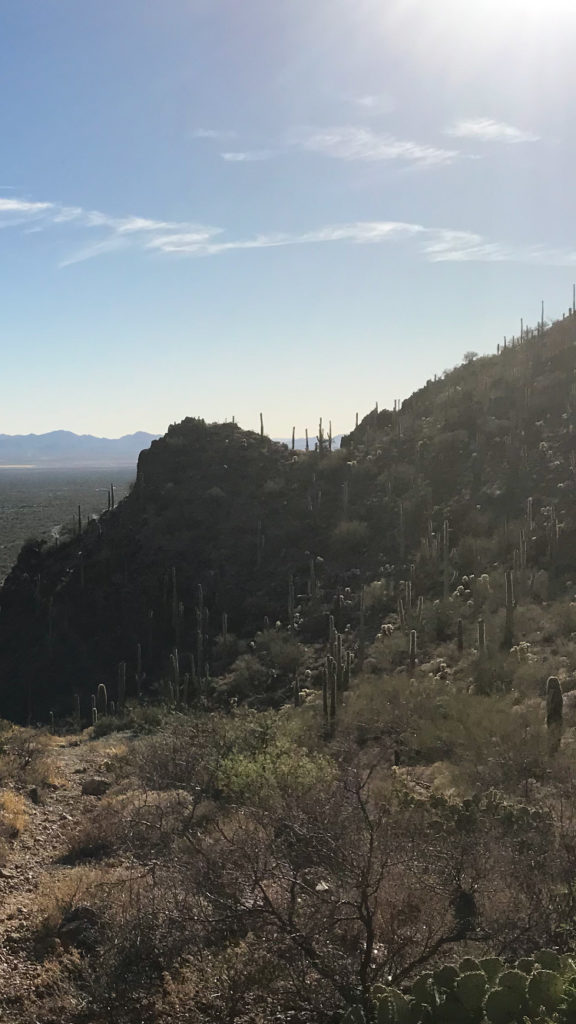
[(175, 668), (102, 699), (481, 636), (121, 685), (460, 635), (554, 714), (508, 638), (139, 673), (362, 630), (412, 652), (291, 602), (445, 559), (77, 712), (200, 630)]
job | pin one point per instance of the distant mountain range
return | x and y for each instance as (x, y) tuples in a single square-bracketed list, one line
[(63, 448), (300, 442)]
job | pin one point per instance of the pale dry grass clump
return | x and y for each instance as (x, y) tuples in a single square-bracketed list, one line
[(13, 814)]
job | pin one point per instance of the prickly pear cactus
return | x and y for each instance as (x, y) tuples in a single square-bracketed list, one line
[(355, 1015), (515, 980), (468, 965), (446, 977), (481, 992), (503, 1006), (424, 991), (545, 988), (470, 991), (549, 960), (492, 967), (526, 964), (394, 1008)]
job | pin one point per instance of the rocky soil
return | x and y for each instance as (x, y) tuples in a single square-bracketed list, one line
[(33, 869)]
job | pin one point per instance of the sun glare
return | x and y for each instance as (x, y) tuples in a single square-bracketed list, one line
[(508, 33)]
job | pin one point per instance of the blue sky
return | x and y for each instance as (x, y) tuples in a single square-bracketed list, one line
[(222, 207)]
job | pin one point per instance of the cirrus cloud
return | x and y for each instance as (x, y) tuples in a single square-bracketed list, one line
[(102, 233), (483, 129)]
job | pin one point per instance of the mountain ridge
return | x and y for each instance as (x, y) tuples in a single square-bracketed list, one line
[(477, 469), (65, 448)]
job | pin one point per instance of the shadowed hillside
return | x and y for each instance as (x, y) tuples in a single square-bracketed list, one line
[(475, 470)]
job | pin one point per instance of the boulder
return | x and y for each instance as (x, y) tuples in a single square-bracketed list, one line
[(95, 786)]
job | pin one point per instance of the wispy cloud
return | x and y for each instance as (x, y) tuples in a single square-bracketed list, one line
[(23, 206), (373, 105), (249, 156), (483, 129), (360, 232), (99, 233), (217, 134), (360, 143)]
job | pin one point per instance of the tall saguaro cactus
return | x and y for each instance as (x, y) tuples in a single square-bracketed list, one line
[(121, 685), (102, 699), (445, 559), (291, 602), (481, 637), (412, 651), (554, 714), (508, 638)]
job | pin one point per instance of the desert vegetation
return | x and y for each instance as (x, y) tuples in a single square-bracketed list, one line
[(340, 696)]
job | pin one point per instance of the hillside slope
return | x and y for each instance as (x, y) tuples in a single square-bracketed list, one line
[(476, 469)]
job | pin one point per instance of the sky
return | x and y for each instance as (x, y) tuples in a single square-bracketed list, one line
[(219, 208)]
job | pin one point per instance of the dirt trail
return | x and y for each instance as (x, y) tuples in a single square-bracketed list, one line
[(33, 862)]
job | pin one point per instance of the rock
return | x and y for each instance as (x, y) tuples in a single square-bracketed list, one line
[(95, 786), (5, 874), (34, 794)]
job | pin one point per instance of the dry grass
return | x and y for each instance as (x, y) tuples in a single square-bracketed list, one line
[(138, 822), (13, 814)]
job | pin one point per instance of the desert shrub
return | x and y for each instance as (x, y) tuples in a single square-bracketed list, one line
[(493, 673), (376, 597), (487, 741), (350, 538), (139, 720), (141, 823), (280, 769), (279, 651), (188, 752), (25, 756), (225, 651), (248, 676)]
